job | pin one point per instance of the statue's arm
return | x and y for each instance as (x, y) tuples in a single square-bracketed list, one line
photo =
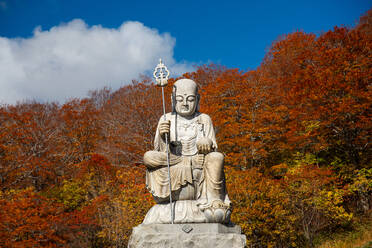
[(209, 130), (157, 139), (159, 142)]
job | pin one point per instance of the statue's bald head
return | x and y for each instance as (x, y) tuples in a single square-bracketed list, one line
[(185, 97), (186, 85)]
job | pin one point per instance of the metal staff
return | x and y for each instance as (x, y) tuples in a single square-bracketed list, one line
[(161, 75)]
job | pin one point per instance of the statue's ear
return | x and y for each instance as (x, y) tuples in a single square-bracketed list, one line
[(197, 102), (173, 99)]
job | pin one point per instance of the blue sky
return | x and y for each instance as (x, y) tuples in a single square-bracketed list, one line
[(232, 33)]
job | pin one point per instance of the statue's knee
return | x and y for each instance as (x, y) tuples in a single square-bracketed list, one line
[(215, 157)]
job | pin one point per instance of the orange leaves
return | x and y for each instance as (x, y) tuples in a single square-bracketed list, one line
[(55, 149), (27, 143), (311, 95), (80, 131), (41, 141), (321, 80), (29, 220)]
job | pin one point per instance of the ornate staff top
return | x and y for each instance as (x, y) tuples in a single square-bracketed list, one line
[(161, 74)]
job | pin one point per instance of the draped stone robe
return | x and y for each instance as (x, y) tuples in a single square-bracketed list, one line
[(185, 170)]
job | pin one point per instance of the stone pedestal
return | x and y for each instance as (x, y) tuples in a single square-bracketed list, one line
[(191, 235)]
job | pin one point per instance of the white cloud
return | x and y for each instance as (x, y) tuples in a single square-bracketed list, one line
[(70, 59)]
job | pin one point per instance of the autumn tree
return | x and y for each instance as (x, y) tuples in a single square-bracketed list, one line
[(295, 133), (30, 220), (28, 142), (128, 120)]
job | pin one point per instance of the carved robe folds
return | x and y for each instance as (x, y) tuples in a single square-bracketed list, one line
[(198, 181)]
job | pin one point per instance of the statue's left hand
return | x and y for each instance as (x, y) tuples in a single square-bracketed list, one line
[(204, 145), (200, 159)]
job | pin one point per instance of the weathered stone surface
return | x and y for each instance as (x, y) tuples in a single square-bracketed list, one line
[(186, 166), (203, 235), (186, 211), (185, 141)]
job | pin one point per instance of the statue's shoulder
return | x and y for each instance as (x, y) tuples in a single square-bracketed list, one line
[(168, 116), (204, 118)]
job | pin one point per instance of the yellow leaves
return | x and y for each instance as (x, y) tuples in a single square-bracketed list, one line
[(362, 184), (330, 203), (261, 207), (305, 108), (311, 125), (73, 193), (282, 210), (123, 211)]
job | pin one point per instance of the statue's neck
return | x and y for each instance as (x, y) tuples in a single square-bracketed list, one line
[(187, 118)]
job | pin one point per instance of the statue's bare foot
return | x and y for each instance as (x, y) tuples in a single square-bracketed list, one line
[(212, 204)]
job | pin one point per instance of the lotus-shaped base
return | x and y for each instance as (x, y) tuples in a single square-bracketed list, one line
[(216, 212)]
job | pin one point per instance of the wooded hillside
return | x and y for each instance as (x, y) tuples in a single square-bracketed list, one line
[(296, 134)]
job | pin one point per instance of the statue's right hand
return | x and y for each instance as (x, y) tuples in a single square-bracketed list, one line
[(164, 128)]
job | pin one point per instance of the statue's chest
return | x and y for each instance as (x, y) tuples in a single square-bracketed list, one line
[(187, 129), (187, 133)]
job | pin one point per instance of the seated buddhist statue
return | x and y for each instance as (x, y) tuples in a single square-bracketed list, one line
[(196, 168)]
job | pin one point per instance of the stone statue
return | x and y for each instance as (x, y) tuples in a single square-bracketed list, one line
[(196, 167), (193, 208)]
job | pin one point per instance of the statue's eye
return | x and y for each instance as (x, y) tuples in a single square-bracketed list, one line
[(179, 98), (191, 98)]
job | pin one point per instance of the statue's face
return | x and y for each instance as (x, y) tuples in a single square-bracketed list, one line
[(186, 99)]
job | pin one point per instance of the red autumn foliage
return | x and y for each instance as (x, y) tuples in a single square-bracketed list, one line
[(295, 133), (30, 220)]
